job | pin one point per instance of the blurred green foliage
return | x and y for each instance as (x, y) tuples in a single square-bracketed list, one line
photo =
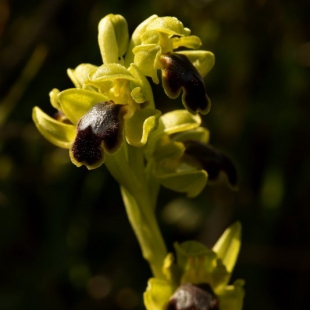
[(65, 241)]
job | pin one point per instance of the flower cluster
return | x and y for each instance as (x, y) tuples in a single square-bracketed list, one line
[(110, 117), (113, 103), (110, 104)]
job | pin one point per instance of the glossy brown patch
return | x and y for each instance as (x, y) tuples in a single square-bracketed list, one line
[(179, 73), (193, 297), (102, 125), (211, 160)]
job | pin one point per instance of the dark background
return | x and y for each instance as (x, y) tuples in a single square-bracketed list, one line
[(65, 240)]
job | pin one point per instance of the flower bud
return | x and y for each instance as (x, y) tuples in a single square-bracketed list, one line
[(113, 38)]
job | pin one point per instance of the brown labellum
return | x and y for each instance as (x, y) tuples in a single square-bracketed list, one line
[(101, 128), (193, 297), (211, 160), (179, 73)]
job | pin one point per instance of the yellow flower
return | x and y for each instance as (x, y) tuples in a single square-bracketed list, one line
[(180, 157), (111, 103), (156, 45), (199, 279)]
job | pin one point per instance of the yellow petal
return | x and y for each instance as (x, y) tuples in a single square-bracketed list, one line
[(203, 61), (200, 134), (196, 261), (189, 42), (75, 103), (80, 74), (169, 25), (228, 245), (157, 294), (231, 297), (190, 182), (138, 127), (140, 30), (54, 100), (146, 57), (179, 120), (171, 271), (58, 133), (110, 72), (143, 83)]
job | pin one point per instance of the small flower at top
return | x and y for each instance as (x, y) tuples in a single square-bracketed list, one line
[(111, 103), (113, 38), (199, 278), (157, 44)]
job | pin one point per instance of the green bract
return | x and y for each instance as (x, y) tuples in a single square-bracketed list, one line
[(197, 264)]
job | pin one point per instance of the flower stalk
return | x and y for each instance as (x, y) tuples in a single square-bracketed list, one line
[(138, 205)]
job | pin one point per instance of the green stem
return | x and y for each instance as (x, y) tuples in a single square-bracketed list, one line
[(127, 167), (145, 226)]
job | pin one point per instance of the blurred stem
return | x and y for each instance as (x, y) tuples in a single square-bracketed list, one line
[(35, 62), (128, 168)]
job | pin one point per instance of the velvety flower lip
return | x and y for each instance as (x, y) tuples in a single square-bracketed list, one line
[(178, 73), (193, 297), (212, 160), (98, 131)]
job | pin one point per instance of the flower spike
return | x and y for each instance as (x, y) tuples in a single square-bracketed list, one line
[(110, 117)]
